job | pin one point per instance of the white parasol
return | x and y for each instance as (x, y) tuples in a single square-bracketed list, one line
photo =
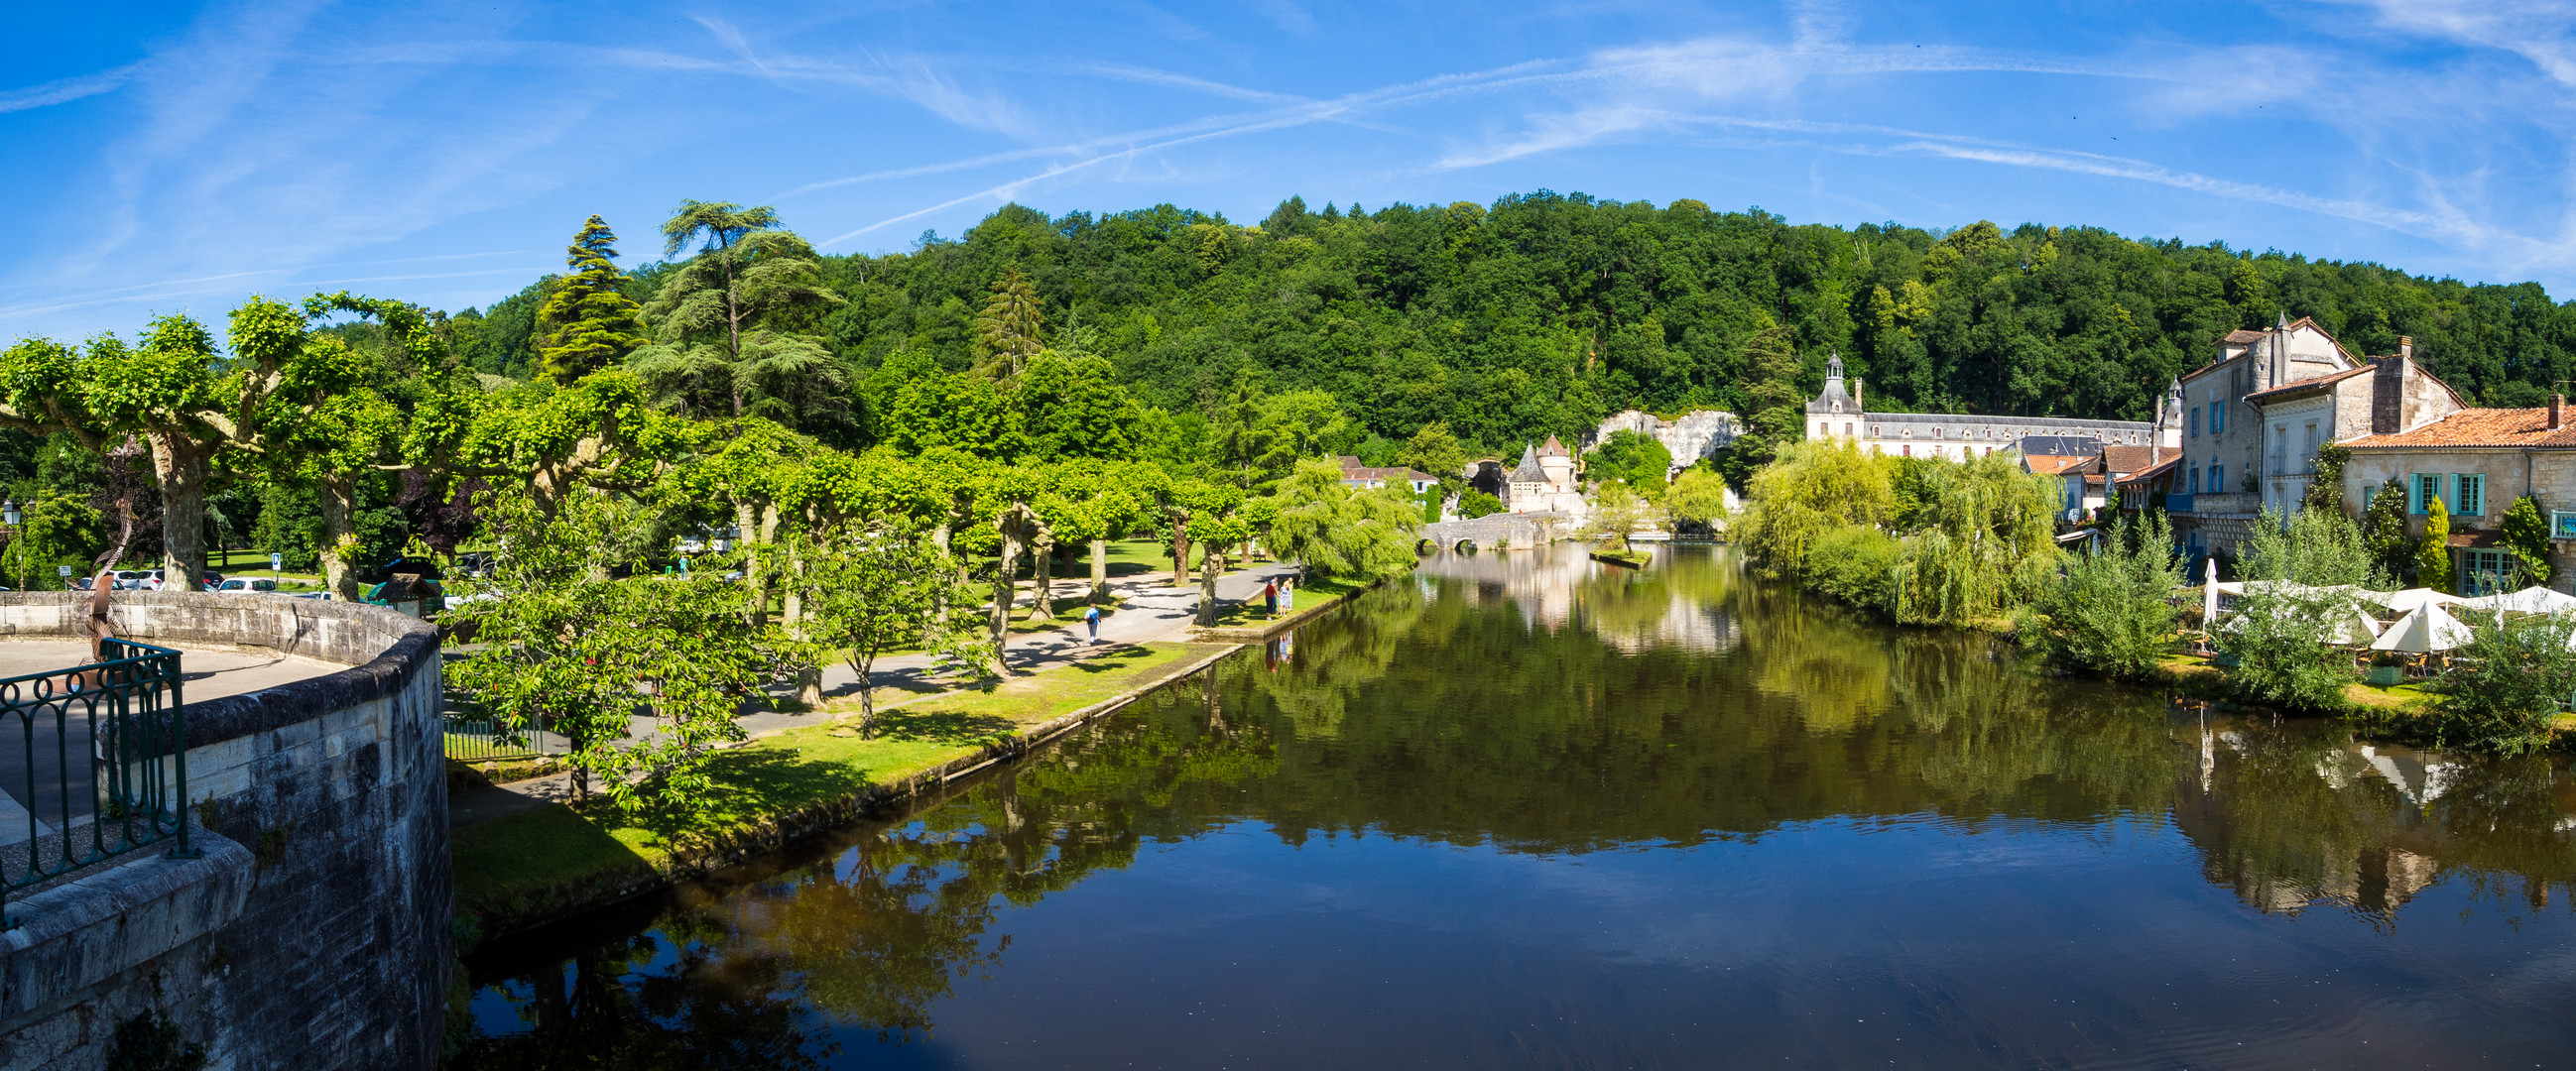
[(2423, 630), (2535, 599), (2353, 627), (2209, 595), (2412, 599)]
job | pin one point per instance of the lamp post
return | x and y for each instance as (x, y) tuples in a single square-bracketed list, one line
[(9, 518)]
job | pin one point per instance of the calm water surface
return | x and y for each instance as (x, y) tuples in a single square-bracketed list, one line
[(1525, 810)]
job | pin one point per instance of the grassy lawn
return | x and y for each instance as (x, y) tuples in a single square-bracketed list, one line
[(556, 854)]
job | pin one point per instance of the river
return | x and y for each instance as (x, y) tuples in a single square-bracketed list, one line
[(1524, 809)]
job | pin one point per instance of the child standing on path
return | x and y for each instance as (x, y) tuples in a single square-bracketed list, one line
[(1091, 617)]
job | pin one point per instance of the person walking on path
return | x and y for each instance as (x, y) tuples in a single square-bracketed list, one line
[(1270, 599), (1288, 594), (1091, 617)]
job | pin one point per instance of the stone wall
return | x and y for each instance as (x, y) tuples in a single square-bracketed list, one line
[(324, 803)]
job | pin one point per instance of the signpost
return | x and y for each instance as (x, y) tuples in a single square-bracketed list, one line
[(276, 561), (65, 572)]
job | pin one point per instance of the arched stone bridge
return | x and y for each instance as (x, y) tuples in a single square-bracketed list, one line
[(1499, 530)]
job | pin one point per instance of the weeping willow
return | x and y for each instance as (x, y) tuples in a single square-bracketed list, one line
[(1813, 490), (1982, 541)]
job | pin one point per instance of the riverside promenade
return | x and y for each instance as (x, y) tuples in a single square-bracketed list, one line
[(1150, 610)]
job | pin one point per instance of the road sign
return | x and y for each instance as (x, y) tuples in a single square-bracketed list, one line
[(276, 562), (62, 570)]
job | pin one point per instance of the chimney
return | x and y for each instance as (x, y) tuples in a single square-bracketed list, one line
[(2406, 346), (2557, 411), (1856, 402), (2388, 395)]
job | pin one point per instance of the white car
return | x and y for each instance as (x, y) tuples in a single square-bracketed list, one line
[(247, 585)]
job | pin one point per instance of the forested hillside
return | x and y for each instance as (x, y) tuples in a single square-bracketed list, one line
[(1545, 312)]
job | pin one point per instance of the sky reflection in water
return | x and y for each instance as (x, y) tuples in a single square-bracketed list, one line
[(1526, 809)]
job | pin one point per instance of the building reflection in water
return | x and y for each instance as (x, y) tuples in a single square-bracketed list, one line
[(2292, 815)]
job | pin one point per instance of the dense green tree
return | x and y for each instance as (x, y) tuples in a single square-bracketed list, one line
[(2113, 613), (2384, 541), (2433, 553), (1337, 531), (737, 327), (1434, 451), (588, 321), (1011, 329), (2526, 534), (1637, 460)]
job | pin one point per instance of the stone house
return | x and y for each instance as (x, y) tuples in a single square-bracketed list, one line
[(1359, 477), (2253, 418), (2477, 462), (1545, 482), (1691, 437)]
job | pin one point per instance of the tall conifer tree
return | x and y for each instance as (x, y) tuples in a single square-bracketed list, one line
[(589, 323), (1010, 329)]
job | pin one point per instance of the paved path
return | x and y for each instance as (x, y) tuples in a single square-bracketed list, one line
[(1152, 611)]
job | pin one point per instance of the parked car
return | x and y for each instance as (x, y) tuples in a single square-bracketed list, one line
[(245, 584)]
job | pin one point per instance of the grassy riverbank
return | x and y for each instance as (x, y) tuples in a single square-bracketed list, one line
[(520, 870)]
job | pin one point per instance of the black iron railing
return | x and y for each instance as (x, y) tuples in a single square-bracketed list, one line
[(101, 766)]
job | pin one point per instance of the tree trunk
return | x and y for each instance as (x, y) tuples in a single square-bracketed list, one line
[(1100, 572), (1181, 553), (339, 495), (1042, 599), (746, 526), (809, 679), (1005, 585), (733, 337), (1207, 586), (861, 665), (179, 464), (939, 598)]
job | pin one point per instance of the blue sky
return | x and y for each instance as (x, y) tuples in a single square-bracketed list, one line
[(170, 157)]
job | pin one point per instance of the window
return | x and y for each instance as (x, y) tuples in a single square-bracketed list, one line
[(1909, 449), (2486, 571), (2217, 485), (1847, 428), (2472, 494), (1936, 431), (2308, 448), (2280, 442), (2421, 489), (2562, 525), (2217, 417), (2195, 482), (2195, 423)]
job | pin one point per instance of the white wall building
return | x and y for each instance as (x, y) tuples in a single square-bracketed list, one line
[(1837, 414)]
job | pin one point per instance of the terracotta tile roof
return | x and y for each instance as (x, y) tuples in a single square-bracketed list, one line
[(2314, 383), (2242, 335), (2127, 459), (2151, 472), (2047, 465), (2478, 427)]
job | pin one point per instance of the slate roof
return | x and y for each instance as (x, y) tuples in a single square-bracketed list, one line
[(2059, 445), (2478, 427), (1528, 471)]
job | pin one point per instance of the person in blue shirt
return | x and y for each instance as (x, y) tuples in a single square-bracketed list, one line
[(1091, 617)]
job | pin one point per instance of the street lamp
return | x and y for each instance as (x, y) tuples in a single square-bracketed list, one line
[(9, 517)]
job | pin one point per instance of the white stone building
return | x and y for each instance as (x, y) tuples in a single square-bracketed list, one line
[(1545, 482), (1836, 414)]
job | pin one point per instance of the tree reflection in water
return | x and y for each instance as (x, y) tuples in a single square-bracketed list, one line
[(1531, 702)]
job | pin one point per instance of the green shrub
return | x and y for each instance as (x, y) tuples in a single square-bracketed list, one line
[(2113, 612), (1853, 564), (2506, 685)]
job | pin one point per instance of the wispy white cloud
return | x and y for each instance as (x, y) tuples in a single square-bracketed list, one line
[(66, 90), (2541, 31)]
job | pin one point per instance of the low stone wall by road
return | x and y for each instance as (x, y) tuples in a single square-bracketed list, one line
[(314, 932)]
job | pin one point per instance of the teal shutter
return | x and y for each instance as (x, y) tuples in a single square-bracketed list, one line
[(2414, 493)]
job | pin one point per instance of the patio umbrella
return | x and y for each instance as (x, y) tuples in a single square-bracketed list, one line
[(2412, 599), (2353, 627), (2535, 599), (2209, 595), (2423, 630)]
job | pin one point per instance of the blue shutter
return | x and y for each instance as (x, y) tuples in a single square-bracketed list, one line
[(2414, 493)]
